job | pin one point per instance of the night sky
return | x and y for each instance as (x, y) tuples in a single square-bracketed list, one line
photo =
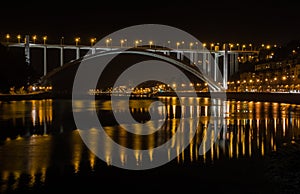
[(209, 21)]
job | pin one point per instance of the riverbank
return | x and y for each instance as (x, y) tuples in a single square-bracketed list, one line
[(25, 96), (292, 98)]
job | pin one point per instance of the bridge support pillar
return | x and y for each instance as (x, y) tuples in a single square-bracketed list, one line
[(236, 62), (191, 58), (182, 56), (27, 56), (216, 67), (208, 68), (77, 53), (178, 55), (45, 60), (93, 51), (204, 63), (225, 68), (231, 65), (196, 58), (61, 56)]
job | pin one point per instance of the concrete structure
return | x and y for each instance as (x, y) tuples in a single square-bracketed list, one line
[(225, 60)]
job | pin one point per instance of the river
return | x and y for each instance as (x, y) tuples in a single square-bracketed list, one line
[(43, 151)]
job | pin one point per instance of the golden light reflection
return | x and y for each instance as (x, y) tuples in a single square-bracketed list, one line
[(17, 175), (283, 126), (212, 142), (151, 154), (4, 178), (123, 157), (204, 144), (77, 150), (231, 145), (250, 144), (191, 146), (178, 153), (243, 135), (262, 148)]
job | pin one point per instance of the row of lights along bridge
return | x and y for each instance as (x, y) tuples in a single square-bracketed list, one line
[(124, 43)]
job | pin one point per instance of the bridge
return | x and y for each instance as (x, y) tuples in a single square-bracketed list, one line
[(209, 61)]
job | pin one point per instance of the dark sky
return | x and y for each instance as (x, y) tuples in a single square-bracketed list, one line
[(209, 21)]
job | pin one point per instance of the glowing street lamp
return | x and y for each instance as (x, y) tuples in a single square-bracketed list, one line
[(93, 40), (211, 46), (107, 41), (136, 43), (177, 45), (19, 38), (7, 38), (122, 42), (77, 40), (45, 38), (150, 43), (169, 43), (191, 45), (34, 39), (243, 47)]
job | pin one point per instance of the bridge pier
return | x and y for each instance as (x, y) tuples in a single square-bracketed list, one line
[(204, 61), (27, 56), (236, 62), (77, 53), (216, 66), (45, 60), (61, 56), (225, 68), (191, 58)]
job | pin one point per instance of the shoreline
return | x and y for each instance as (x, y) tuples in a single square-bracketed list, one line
[(292, 98)]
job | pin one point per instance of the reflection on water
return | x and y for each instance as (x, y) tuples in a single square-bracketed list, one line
[(39, 135)]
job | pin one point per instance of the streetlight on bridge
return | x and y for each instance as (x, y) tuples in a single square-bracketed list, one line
[(93, 40), (136, 43), (177, 45), (34, 38), (7, 38), (243, 47), (150, 43), (122, 41), (211, 46), (169, 43), (191, 45), (77, 40), (45, 38), (19, 38), (107, 41)]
